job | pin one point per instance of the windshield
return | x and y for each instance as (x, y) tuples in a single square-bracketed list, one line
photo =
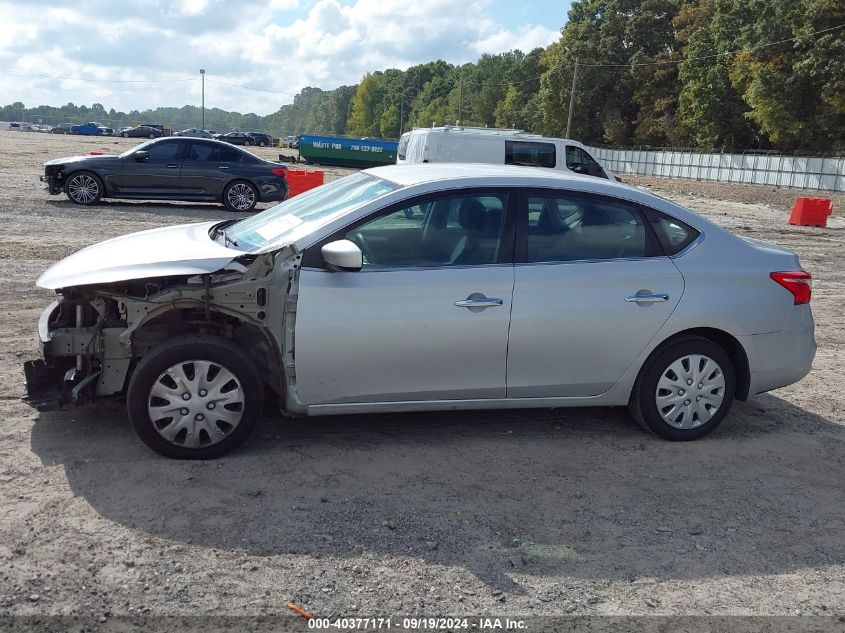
[(295, 218)]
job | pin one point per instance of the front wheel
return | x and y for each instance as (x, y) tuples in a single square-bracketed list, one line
[(261, 143), (152, 135), (240, 196), (685, 390), (84, 188), (195, 397), (126, 135)]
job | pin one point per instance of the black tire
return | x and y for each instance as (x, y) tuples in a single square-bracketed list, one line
[(231, 196), (87, 180), (152, 136), (261, 143), (126, 135), (643, 405), (182, 350)]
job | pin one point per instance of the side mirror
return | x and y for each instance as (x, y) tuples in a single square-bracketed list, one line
[(141, 155), (343, 255)]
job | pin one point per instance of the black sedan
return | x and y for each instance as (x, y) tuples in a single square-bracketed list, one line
[(140, 131), (170, 169), (260, 139), (235, 138)]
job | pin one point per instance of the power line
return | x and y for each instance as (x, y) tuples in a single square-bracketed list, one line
[(711, 56), (94, 80), (275, 92), (672, 61)]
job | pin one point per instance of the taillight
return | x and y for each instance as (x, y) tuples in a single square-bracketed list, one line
[(278, 171), (798, 283)]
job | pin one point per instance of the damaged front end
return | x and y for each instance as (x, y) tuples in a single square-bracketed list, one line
[(93, 335)]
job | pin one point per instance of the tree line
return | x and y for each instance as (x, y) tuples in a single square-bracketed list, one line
[(733, 74)]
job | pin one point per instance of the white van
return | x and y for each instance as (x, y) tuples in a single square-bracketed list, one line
[(454, 144)]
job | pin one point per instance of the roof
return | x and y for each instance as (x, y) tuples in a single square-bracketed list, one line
[(478, 174), (513, 175)]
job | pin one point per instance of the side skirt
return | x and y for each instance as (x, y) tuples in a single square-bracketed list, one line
[(614, 397)]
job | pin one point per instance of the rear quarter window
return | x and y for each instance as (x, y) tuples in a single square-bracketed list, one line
[(672, 234)]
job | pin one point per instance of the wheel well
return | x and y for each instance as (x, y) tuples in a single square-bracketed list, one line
[(733, 348), (67, 176), (254, 340)]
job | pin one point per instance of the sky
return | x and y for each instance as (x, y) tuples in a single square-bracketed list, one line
[(155, 48)]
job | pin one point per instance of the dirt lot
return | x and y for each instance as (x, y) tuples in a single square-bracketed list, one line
[(529, 513)]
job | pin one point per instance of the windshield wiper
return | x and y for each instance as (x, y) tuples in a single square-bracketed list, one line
[(220, 231)]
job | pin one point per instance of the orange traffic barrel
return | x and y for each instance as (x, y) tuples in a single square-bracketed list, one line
[(811, 212), (300, 180)]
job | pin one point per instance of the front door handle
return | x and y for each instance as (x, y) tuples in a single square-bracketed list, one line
[(222, 167), (172, 166), (648, 298), (484, 302)]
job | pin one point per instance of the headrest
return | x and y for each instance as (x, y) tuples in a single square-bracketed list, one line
[(471, 214)]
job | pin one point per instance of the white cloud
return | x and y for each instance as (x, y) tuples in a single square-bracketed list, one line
[(244, 42)]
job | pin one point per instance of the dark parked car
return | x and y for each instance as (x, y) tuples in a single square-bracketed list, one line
[(61, 128), (260, 138), (171, 168), (140, 131), (235, 138)]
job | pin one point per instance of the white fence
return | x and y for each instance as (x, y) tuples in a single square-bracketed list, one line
[(822, 173)]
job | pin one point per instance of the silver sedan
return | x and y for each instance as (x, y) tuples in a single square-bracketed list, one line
[(420, 288)]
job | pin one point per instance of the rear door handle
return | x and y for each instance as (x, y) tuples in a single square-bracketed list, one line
[(222, 167), (478, 303), (648, 298), (172, 166)]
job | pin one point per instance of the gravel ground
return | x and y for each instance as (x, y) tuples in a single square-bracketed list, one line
[(776, 198), (515, 513)]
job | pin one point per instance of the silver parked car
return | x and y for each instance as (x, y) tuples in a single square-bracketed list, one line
[(426, 287), (194, 132)]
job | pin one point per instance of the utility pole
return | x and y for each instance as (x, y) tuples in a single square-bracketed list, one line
[(202, 75), (401, 112), (461, 104), (571, 98)]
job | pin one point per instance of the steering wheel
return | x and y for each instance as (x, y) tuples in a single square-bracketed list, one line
[(363, 243)]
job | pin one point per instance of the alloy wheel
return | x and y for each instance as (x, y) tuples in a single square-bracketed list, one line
[(83, 189), (241, 196)]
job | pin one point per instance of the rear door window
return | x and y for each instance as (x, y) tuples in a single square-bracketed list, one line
[(229, 155), (205, 152), (572, 226), (534, 154)]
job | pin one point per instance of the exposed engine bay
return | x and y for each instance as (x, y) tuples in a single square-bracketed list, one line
[(93, 335)]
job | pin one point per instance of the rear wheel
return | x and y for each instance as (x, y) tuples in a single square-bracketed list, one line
[(84, 187), (240, 196), (126, 135), (152, 135), (261, 143), (685, 390), (195, 397)]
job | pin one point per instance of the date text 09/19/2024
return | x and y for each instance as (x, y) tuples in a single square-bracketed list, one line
[(418, 624)]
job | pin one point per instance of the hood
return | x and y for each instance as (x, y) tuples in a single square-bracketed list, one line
[(76, 159), (174, 250)]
